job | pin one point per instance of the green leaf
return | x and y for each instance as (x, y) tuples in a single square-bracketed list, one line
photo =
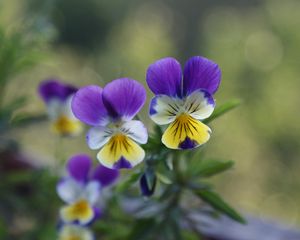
[(224, 108), (214, 200), (163, 178), (150, 178), (143, 229), (123, 186), (24, 119), (18, 103), (210, 168)]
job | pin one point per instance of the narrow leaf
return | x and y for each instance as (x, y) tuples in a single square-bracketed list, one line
[(224, 108), (23, 119), (163, 178), (214, 200), (127, 183), (210, 168), (143, 229)]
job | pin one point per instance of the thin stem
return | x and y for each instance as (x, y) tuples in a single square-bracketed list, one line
[(58, 153)]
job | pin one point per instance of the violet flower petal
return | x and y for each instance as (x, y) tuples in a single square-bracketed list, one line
[(123, 98), (105, 176), (87, 106), (201, 73), (50, 89), (164, 77), (79, 166)]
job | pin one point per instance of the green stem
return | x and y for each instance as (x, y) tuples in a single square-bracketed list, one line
[(58, 154)]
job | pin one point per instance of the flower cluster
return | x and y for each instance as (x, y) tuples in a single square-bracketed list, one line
[(182, 100), (81, 191)]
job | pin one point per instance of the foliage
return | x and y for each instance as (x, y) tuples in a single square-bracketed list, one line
[(17, 54)]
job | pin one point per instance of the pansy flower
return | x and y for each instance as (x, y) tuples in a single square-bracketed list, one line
[(57, 97), (110, 112), (75, 232), (183, 100), (81, 189)]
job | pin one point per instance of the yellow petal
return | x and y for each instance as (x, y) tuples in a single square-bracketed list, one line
[(121, 152), (75, 232), (186, 132), (81, 211), (66, 126)]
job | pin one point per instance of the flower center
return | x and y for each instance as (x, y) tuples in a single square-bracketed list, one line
[(117, 143), (183, 118), (80, 207), (65, 125)]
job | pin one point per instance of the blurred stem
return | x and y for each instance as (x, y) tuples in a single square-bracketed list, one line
[(176, 164), (58, 154), (178, 167), (2, 91)]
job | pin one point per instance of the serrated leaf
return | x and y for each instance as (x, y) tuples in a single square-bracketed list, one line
[(210, 168), (214, 200), (224, 108), (128, 182), (163, 178)]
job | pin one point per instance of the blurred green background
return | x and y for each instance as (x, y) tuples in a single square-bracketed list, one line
[(256, 43)]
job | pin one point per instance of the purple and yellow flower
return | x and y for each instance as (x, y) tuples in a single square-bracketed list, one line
[(57, 97), (81, 189), (75, 232), (183, 100), (110, 112)]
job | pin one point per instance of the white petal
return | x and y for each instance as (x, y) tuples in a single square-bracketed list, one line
[(135, 130), (66, 108), (98, 136), (163, 109), (54, 108), (92, 192), (200, 105), (69, 190)]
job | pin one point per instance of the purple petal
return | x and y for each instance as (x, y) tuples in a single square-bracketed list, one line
[(87, 105), (164, 77), (201, 73), (50, 89), (79, 166), (98, 213), (123, 98), (105, 176)]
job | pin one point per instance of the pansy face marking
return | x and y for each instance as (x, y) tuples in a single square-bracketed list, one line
[(57, 97), (111, 111), (183, 102)]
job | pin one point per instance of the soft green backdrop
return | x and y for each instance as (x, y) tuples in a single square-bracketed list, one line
[(256, 44)]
